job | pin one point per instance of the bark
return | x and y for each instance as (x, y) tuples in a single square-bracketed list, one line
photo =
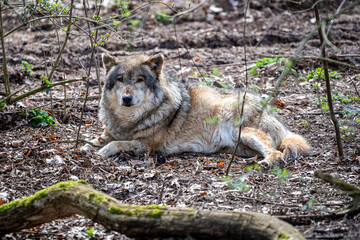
[(67, 198)]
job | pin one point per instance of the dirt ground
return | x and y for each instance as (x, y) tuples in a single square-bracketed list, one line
[(209, 40)]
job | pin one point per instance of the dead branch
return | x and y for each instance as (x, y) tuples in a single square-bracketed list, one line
[(68, 198), (43, 87), (349, 189), (308, 219)]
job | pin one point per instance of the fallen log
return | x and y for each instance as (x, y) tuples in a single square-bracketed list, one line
[(68, 198)]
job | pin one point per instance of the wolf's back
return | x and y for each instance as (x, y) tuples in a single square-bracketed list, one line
[(294, 146)]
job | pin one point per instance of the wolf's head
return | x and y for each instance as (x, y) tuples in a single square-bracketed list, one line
[(130, 80)]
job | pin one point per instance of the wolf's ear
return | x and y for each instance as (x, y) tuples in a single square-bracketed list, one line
[(156, 63), (108, 61)]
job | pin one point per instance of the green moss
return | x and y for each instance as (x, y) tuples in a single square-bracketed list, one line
[(138, 210), (115, 210), (96, 198), (29, 201), (155, 213), (82, 181), (283, 236), (143, 210), (128, 212), (67, 184), (153, 207), (9, 205), (189, 209)]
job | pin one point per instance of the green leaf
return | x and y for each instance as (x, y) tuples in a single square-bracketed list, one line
[(226, 179), (254, 71), (249, 168), (216, 71)]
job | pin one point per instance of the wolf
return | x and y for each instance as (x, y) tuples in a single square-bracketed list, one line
[(145, 110)]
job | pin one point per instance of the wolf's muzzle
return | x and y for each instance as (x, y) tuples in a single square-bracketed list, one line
[(127, 100)]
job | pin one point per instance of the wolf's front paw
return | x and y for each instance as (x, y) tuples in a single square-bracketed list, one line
[(108, 150), (274, 158)]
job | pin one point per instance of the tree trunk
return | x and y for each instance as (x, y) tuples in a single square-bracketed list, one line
[(67, 198)]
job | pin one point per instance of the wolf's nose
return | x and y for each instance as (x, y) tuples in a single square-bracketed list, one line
[(127, 99)]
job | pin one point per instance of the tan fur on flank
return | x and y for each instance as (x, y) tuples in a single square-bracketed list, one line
[(144, 110)]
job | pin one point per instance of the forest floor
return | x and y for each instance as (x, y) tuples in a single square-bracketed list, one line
[(212, 39)]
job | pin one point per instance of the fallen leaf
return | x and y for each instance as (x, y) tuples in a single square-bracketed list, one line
[(52, 137)]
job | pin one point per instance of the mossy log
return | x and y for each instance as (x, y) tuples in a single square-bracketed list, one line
[(67, 198)]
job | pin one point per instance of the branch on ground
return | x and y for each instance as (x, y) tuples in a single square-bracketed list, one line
[(68, 198), (347, 188)]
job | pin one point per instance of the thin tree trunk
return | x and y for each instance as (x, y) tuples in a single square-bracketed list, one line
[(328, 87), (6, 74)]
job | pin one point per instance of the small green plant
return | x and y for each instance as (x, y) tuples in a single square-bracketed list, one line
[(201, 73), (90, 233), (282, 173), (320, 74), (315, 87), (215, 71), (342, 99), (254, 71), (323, 105), (38, 118), (162, 17), (284, 83), (347, 132), (249, 168), (134, 22), (311, 205), (262, 62), (238, 183), (123, 7), (29, 67), (304, 122), (45, 81), (206, 83)]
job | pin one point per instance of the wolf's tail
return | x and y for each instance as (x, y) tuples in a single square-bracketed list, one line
[(294, 146)]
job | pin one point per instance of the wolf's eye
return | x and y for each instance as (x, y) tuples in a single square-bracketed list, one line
[(120, 78), (140, 79)]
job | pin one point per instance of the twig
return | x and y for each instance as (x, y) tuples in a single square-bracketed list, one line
[(97, 9), (6, 74), (43, 87), (317, 113), (307, 219), (65, 99), (328, 86), (316, 58), (61, 141), (11, 95), (244, 96), (65, 42), (92, 46), (188, 11), (161, 192)]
